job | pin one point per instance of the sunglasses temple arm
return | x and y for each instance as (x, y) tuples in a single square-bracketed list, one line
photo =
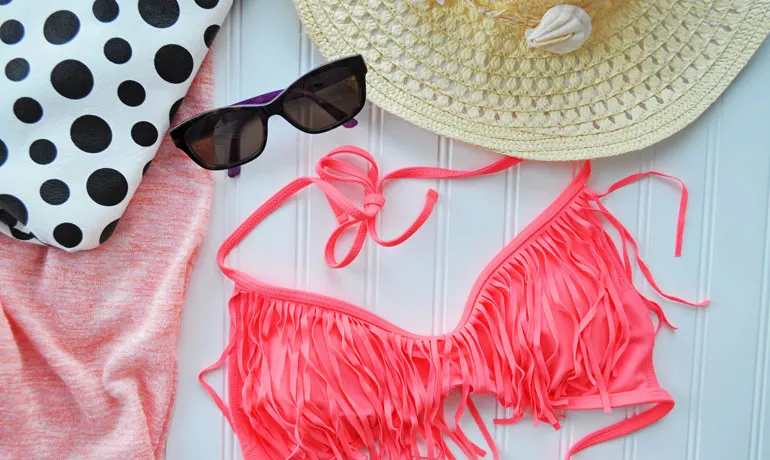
[(235, 147), (261, 99)]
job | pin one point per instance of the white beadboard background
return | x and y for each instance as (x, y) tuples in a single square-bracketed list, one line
[(715, 365)]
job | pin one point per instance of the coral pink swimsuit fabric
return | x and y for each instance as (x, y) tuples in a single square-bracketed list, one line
[(553, 323), (87, 340)]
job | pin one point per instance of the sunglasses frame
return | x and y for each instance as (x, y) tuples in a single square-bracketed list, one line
[(264, 109)]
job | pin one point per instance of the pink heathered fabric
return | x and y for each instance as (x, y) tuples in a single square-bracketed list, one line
[(87, 359)]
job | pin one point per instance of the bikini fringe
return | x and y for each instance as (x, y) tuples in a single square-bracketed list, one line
[(385, 392)]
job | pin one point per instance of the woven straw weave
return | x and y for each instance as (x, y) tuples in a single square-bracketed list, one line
[(649, 68), (527, 13)]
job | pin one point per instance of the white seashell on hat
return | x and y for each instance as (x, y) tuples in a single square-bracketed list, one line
[(563, 29)]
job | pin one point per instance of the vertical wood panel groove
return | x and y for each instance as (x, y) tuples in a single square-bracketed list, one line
[(711, 184), (232, 194), (441, 251), (510, 227), (372, 278), (643, 225), (759, 400), (236, 448), (304, 161), (226, 90)]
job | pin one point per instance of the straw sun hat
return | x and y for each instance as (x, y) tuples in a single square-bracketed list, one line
[(590, 79)]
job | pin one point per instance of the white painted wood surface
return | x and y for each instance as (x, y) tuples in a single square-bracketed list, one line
[(715, 365)]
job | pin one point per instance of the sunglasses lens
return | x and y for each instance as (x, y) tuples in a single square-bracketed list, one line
[(225, 138), (324, 99)]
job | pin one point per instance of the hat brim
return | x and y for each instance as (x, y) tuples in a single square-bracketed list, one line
[(648, 70)]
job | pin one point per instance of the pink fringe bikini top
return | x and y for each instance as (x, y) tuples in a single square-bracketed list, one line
[(553, 323)]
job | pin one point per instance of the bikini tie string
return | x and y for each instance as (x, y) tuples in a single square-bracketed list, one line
[(333, 169), (337, 167)]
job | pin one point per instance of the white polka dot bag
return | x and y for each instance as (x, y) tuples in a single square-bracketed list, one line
[(87, 91)]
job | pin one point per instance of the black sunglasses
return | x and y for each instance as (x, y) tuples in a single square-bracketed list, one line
[(319, 101)]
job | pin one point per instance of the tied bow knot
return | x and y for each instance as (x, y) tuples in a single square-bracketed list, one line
[(373, 202), (332, 169)]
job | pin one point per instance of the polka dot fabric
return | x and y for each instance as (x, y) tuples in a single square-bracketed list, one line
[(88, 92), (87, 360)]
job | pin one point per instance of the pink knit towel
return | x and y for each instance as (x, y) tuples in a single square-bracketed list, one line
[(87, 365)]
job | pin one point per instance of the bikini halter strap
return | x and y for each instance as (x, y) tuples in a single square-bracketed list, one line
[(337, 167)]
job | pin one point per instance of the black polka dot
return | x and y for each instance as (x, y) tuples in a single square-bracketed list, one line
[(27, 110), (14, 207), (174, 109), (61, 27), (54, 192), (131, 93), (17, 69), (11, 31), (210, 34), (105, 10), (173, 63), (19, 235), (144, 133), (107, 187), (108, 231), (42, 151), (117, 50), (72, 79), (91, 134), (159, 13), (4, 152), (68, 235), (146, 167), (208, 4)]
